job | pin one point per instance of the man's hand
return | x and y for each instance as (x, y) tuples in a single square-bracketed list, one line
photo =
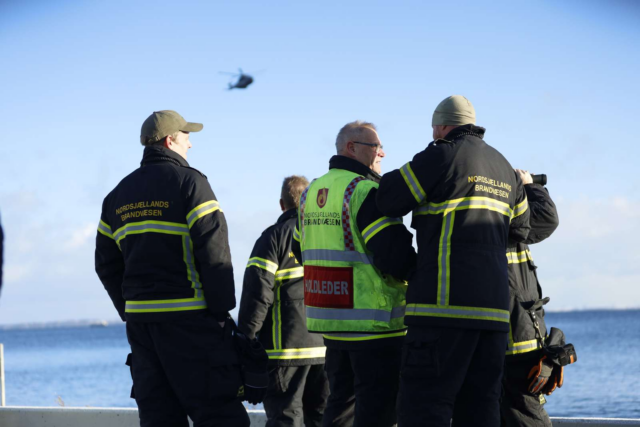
[(525, 176)]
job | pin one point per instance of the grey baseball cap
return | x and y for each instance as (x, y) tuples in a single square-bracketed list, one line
[(163, 123)]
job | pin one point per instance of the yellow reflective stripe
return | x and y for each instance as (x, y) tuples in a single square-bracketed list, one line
[(104, 228), (276, 324), (519, 257), (413, 183), (379, 225), (444, 256), (296, 235), (192, 273), (520, 208), (522, 347), (158, 306), (457, 312), (290, 273), (363, 337), (162, 227), (201, 210), (264, 264), (464, 203), (297, 353)]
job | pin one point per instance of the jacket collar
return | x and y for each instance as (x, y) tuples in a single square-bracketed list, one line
[(155, 154), (291, 213), (465, 130), (343, 162)]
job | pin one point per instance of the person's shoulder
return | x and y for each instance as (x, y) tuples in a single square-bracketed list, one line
[(191, 173)]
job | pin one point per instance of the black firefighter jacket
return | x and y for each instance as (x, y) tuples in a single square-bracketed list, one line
[(524, 288), (392, 248), (467, 202), (272, 303), (162, 249)]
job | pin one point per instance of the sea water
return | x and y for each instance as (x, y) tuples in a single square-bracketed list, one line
[(85, 366)]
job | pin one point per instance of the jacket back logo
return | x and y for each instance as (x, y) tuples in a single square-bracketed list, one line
[(323, 193)]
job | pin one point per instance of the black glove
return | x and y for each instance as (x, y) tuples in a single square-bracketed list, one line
[(254, 361)]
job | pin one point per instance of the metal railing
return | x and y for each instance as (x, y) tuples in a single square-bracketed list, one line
[(25, 416)]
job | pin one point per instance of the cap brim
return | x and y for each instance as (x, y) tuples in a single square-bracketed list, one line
[(192, 127)]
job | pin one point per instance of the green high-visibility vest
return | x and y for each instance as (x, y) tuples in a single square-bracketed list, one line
[(344, 291)]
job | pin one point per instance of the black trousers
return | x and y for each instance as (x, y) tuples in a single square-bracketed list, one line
[(296, 394), (364, 386), (450, 373), (518, 407), (185, 368)]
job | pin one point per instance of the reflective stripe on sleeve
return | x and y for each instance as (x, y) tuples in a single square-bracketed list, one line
[(519, 257), (463, 204), (264, 264), (290, 273), (354, 314), (201, 210), (520, 208), (456, 312), (413, 183), (296, 234), (165, 305), (522, 347), (335, 255), (297, 353), (105, 229), (379, 225)]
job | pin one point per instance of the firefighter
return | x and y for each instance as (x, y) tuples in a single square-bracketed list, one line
[(356, 262), (466, 201), (521, 404), (272, 307), (162, 254)]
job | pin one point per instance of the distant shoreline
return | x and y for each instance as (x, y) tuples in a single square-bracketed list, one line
[(115, 322)]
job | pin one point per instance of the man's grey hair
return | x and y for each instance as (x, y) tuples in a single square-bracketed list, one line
[(292, 188), (148, 142), (351, 132)]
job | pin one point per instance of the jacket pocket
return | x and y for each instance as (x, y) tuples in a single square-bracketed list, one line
[(129, 363), (225, 379), (420, 359)]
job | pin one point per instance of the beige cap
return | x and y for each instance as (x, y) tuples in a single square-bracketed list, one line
[(163, 123), (455, 110)]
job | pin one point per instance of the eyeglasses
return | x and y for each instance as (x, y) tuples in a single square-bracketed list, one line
[(378, 147)]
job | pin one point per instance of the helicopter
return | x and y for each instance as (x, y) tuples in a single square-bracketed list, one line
[(244, 80)]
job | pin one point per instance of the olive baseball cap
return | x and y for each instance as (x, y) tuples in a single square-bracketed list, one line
[(163, 123), (455, 110)]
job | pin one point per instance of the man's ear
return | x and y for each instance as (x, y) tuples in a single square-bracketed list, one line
[(282, 205), (167, 142)]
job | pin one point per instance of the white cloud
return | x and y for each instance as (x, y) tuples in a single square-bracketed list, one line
[(81, 236)]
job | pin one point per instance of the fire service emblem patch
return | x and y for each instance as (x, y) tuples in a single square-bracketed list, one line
[(322, 197)]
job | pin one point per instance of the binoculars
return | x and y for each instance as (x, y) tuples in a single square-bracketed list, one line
[(539, 179)]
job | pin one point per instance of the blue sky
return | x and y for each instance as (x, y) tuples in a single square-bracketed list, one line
[(554, 84)]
